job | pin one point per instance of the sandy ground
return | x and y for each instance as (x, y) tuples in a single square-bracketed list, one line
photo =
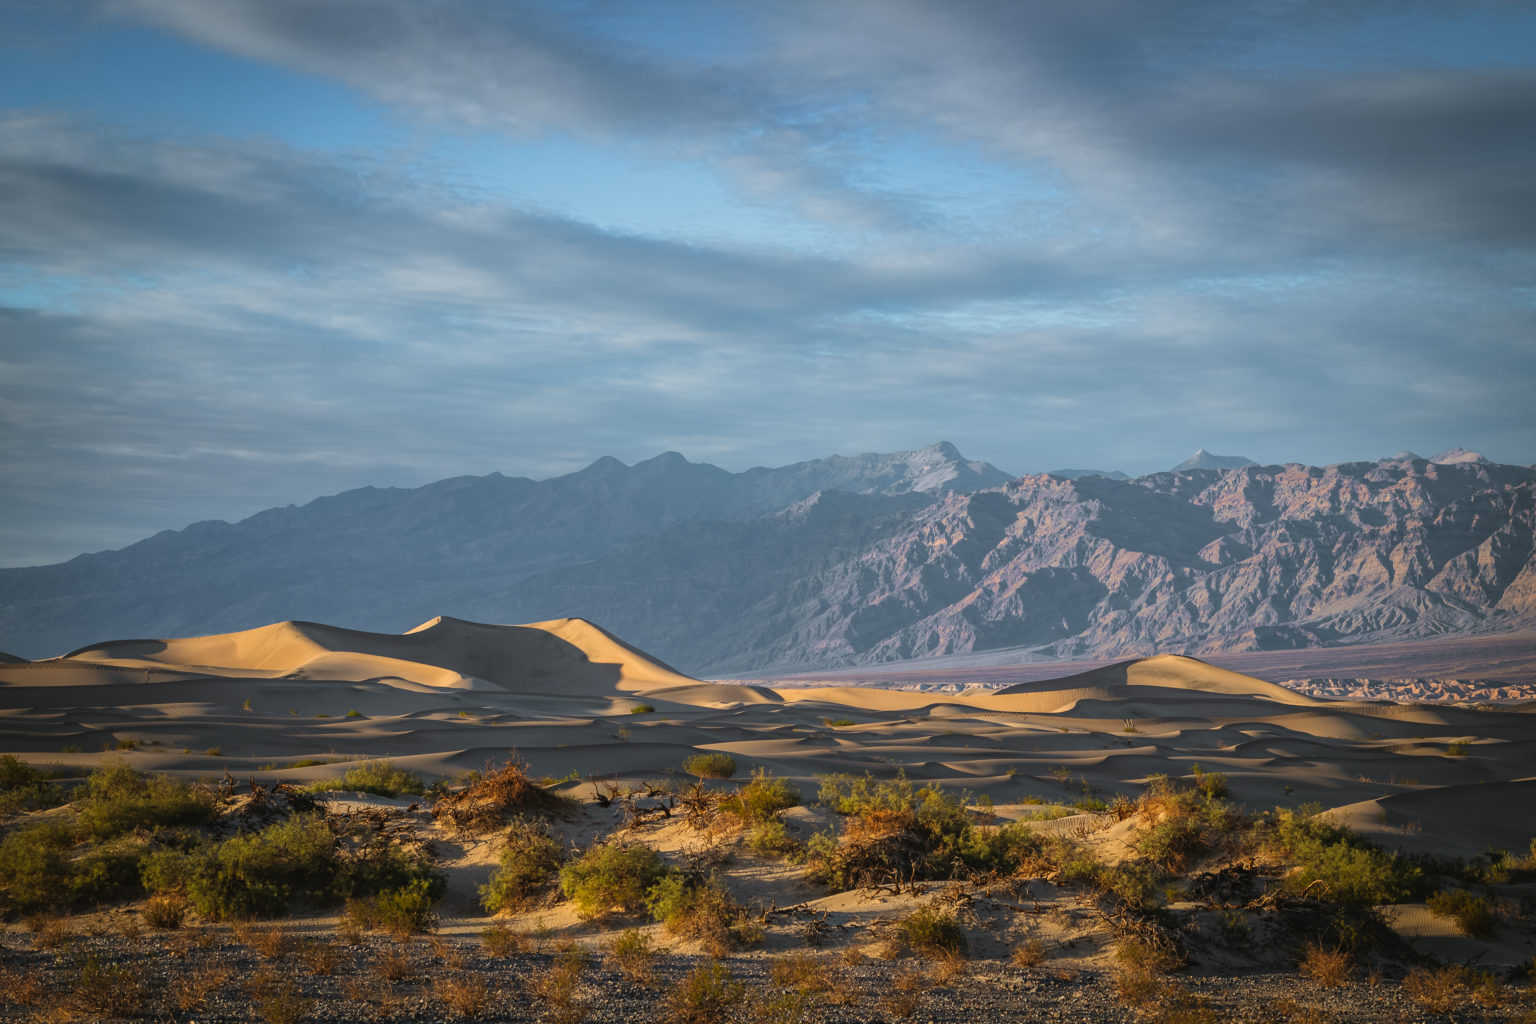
[(452, 695)]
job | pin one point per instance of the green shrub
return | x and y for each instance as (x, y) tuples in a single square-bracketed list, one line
[(895, 830), (34, 866), (406, 910), (105, 872), (838, 723), (118, 799), (773, 839), (710, 766), (24, 788), (301, 858), (257, 875), (1173, 842), (761, 799), (700, 910), (612, 876), (642, 709), (1339, 865), (528, 860), (1474, 915), (930, 930), (380, 778)]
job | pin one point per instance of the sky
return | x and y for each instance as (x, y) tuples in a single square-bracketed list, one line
[(257, 251)]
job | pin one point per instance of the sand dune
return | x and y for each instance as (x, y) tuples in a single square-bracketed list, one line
[(452, 695)]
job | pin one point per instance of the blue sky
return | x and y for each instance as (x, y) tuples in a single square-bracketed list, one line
[(256, 251)]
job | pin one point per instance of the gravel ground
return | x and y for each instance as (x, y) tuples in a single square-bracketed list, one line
[(177, 979)]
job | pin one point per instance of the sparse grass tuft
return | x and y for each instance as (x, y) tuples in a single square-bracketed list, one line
[(462, 995), (499, 940), (1028, 954), (1441, 989), (284, 1004), (633, 956), (703, 996), (1328, 968), (166, 910)]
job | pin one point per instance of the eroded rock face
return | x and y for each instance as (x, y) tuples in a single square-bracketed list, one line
[(1248, 559)]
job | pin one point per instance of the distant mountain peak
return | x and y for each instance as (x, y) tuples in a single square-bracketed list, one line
[(1456, 456), (1203, 459)]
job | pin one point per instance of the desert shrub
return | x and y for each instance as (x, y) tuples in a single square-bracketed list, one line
[(612, 876), (462, 995), (642, 709), (256, 875), (165, 910), (1339, 865), (893, 830), (495, 796), (710, 766), (34, 866), (380, 778), (1184, 821), (703, 996), (633, 956), (773, 839), (24, 788), (529, 859), (499, 940), (1028, 954), (406, 910), (101, 991), (761, 798), (367, 862), (933, 931), (1501, 867), (701, 910), (1327, 967), (105, 872), (303, 857), (1441, 989), (1474, 915), (118, 799)]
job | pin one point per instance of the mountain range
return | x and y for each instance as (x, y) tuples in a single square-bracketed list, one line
[(846, 561)]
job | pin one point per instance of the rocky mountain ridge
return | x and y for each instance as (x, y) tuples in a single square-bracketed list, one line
[(917, 554)]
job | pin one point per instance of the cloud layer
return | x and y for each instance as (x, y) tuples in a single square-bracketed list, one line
[(1088, 234)]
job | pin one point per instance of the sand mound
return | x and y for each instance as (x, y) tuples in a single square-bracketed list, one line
[(561, 656), (1169, 672)]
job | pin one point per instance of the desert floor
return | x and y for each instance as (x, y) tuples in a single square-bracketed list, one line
[(610, 728)]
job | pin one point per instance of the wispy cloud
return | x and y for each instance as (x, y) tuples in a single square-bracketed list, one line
[(1185, 227)]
